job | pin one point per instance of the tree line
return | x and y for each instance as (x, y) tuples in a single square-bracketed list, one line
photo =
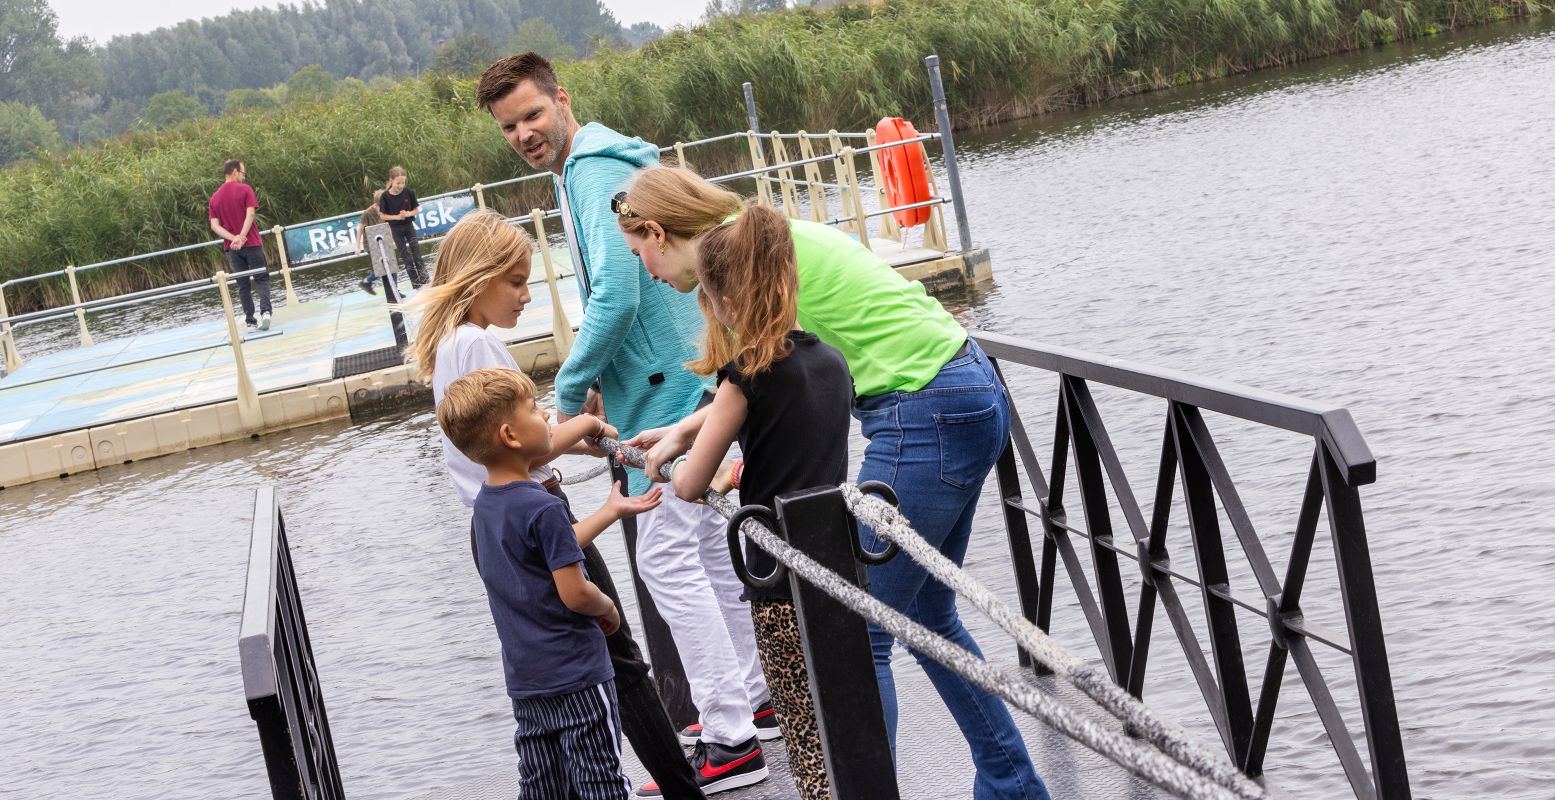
[(57, 92)]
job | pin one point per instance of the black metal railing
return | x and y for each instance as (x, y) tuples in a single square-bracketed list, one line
[(1340, 464), (279, 679)]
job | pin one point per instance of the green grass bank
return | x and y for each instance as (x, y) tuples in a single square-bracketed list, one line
[(841, 68)]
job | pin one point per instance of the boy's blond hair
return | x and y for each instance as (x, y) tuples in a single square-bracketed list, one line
[(476, 405)]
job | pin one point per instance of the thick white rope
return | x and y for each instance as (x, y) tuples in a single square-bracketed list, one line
[(1134, 755), (887, 522), (587, 475)]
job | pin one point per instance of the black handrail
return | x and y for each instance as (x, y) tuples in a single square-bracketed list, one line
[(279, 679), (1340, 463)]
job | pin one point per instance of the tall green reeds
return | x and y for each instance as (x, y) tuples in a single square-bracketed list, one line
[(841, 68)]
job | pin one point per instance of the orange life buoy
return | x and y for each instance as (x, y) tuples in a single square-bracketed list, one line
[(904, 175)]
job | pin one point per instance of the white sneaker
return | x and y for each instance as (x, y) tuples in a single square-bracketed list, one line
[(264, 321)]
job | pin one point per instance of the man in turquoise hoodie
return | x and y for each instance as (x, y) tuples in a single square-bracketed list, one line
[(634, 339)]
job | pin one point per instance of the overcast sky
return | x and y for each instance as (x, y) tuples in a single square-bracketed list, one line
[(103, 19)]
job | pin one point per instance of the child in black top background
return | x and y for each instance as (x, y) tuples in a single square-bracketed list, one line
[(398, 206), (786, 396)]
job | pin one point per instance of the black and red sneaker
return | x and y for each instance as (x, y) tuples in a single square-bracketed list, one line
[(720, 768), (765, 720)]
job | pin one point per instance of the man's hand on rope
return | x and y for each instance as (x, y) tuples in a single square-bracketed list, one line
[(660, 446)]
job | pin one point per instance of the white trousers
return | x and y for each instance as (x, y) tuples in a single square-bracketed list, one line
[(683, 558)]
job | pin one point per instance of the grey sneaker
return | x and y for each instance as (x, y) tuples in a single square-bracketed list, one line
[(264, 321)]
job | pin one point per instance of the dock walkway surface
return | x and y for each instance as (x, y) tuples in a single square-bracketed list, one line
[(927, 742), (165, 391)]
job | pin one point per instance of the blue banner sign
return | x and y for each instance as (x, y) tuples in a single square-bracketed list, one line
[(320, 240)]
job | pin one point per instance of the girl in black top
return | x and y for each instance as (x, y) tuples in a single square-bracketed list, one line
[(398, 206), (786, 396)]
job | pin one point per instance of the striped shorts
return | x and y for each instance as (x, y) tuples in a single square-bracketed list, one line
[(569, 745)]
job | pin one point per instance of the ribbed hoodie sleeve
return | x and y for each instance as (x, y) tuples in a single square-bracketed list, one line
[(612, 269)]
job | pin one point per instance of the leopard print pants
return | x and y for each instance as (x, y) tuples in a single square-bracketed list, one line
[(782, 660)]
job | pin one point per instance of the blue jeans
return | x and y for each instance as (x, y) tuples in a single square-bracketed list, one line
[(934, 447)]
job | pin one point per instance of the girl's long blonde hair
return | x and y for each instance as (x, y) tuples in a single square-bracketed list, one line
[(481, 247), (749, 264), (684, 205)]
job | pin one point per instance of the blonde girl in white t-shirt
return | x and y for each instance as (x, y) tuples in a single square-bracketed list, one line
[(481, 280)]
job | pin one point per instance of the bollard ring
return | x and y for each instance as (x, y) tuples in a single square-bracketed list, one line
[(887, 494), (737, 555)]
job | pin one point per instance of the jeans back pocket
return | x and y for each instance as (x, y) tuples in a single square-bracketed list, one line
[(969, 444)]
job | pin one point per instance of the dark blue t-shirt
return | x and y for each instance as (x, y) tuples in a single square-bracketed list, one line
[(522, 533)]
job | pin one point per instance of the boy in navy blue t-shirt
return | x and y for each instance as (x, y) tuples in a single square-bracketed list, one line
[(551, 620)]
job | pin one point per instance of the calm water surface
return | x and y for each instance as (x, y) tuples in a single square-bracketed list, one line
[(1374, 230)]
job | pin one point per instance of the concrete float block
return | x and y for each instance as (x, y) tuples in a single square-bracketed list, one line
[(13, 466), (304, 405), (213, 424), (46, 457), (136, 439)]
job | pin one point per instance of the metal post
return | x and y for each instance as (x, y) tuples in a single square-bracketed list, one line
[(13, 359), (286, 264), (579, 269), (248, 398), (480, 195), (561, 327), (391, 294), (75, 299), (1022, 557), (1374, 681), (837, 655), (750, 108), (948, 144)]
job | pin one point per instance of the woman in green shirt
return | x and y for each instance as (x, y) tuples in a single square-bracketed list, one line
[(926, 397)]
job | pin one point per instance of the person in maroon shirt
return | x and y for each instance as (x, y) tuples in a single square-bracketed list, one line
[(232, 210)]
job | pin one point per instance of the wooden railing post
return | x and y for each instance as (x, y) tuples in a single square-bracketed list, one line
[(561, 327), (286, 264), (13, 359), (75, 299), (854, 200), (248, 398)]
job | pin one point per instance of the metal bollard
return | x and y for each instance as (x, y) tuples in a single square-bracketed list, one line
[(948, 144), (750, 108), (836, 648), (286, 264), (391, 294), (75, 299), (248, 399)]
